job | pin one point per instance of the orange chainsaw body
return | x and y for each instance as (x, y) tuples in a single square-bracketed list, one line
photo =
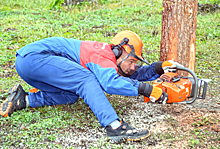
[(177, 88)]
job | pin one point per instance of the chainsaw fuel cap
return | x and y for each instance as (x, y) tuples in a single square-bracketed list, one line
[(175, 79)]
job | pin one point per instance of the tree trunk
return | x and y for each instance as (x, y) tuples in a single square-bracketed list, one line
[(178, 37)]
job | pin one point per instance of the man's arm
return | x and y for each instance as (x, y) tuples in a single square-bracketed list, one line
[(145, 73), (111, 82)]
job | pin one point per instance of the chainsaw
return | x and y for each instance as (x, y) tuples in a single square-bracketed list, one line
[(182, 90)]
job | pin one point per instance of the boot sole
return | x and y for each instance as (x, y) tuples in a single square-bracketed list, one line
[(9, 102), (118, 139)]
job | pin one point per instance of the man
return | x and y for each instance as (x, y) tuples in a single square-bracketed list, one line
[(66, 69)]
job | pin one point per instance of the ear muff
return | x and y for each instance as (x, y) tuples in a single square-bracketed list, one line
[(117, 51), (117, 48)]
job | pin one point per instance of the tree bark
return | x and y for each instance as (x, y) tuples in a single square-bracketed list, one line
[(178, 37)]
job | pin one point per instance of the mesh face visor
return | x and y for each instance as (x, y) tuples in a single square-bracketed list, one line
[(135, 56), (132, 54), (139, 63)]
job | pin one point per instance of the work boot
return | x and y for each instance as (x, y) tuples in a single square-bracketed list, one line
[(126, 132), (15, 101)]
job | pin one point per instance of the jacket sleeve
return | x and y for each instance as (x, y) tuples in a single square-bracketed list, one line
[(145, 73), (111, 82)]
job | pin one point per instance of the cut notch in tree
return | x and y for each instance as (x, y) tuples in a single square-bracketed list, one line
[(178, 37)]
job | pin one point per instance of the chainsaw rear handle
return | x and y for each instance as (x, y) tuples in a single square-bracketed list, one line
[(195, 85)]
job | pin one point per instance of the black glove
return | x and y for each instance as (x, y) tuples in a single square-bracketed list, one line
[(145, 89)]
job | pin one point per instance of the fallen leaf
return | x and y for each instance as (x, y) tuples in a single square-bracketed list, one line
[(13, 47)]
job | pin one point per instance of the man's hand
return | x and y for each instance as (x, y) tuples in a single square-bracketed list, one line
[(163, 98), (166, 66), (155, 94), (169, 66), (158, 95)]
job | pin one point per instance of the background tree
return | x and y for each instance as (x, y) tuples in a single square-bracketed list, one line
[(178, 37)]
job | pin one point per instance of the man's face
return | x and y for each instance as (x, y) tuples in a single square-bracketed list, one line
[(128, 65)]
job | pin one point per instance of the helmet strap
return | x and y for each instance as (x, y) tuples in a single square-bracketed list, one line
[(120, 70)]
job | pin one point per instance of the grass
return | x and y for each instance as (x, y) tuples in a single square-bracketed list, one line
[(28, 122), (23, 22)]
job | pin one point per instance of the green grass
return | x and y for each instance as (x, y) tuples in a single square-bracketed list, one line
[(25, 21), (34, 126)]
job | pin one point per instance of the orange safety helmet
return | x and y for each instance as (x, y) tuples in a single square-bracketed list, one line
[(134, 40)]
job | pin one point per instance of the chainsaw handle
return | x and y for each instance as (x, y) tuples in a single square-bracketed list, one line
[(195, 85)]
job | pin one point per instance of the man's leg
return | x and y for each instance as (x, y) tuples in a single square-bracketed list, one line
[(42, 98), (54, 74)]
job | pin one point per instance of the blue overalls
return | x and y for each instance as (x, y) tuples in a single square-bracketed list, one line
[(66, 69)]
